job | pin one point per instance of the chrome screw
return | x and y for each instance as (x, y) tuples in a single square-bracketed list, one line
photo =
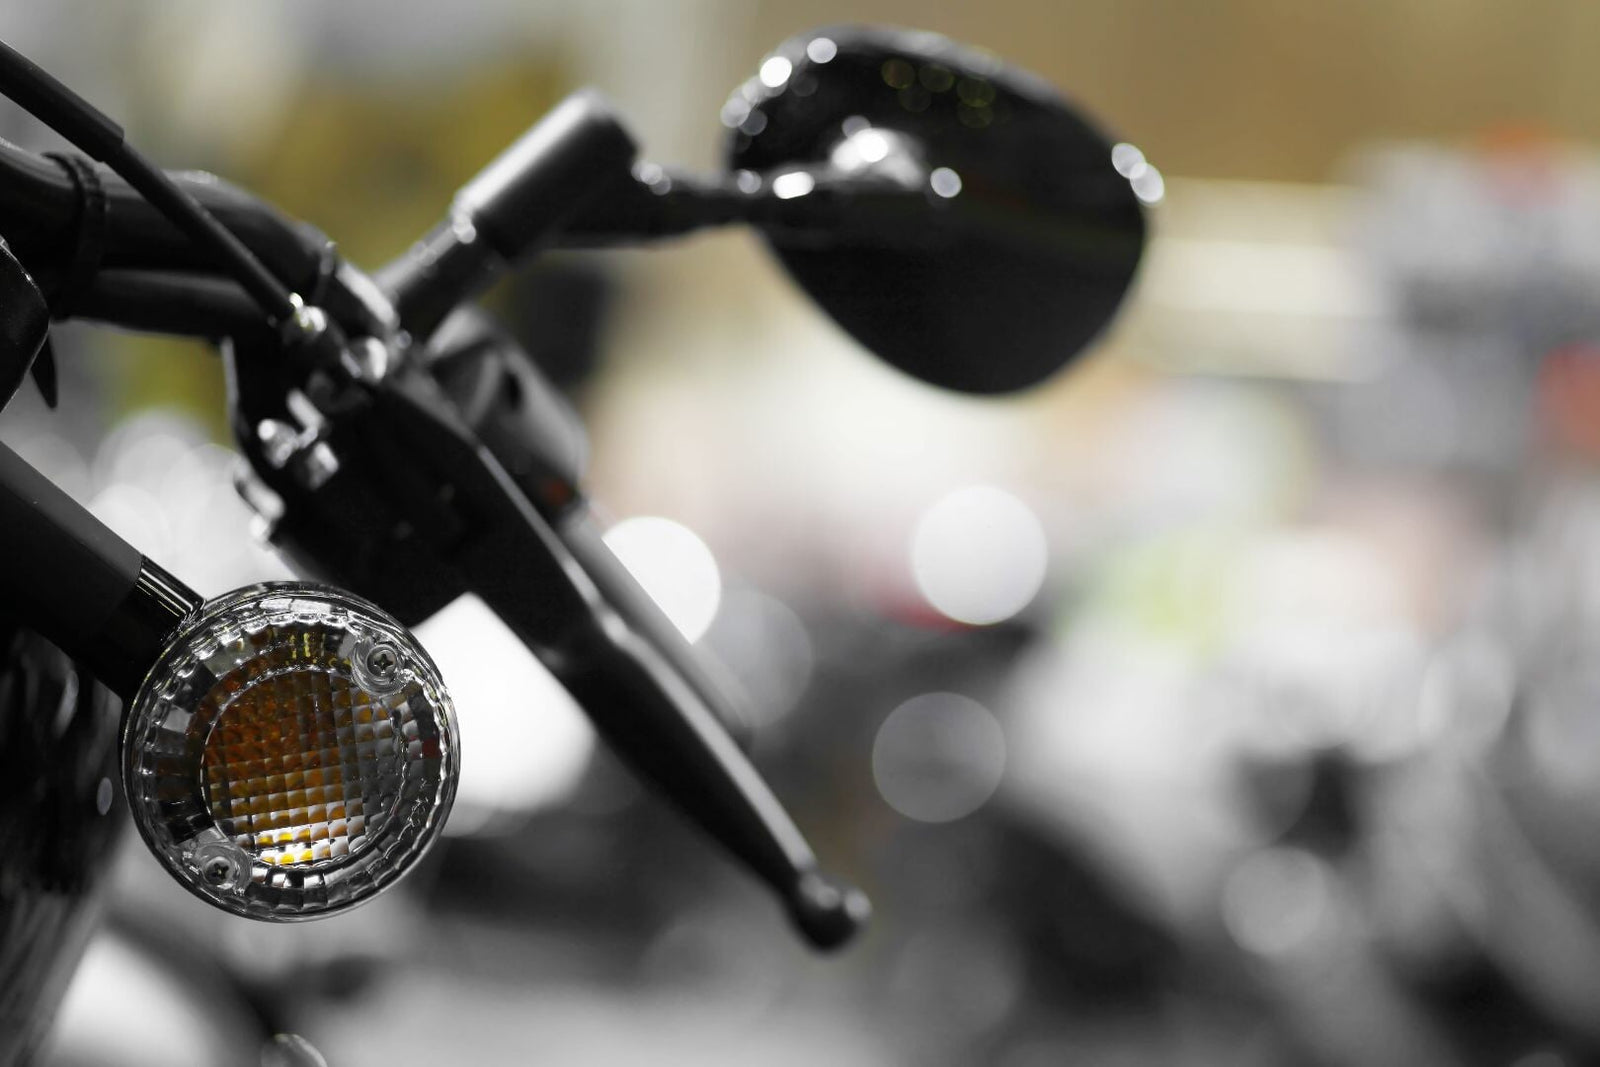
[(382, 661), (218, 871)]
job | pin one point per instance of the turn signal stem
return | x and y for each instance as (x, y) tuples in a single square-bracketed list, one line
[(68, 576)]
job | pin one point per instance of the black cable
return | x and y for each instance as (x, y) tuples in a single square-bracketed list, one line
[(187, 214), (74, 118)]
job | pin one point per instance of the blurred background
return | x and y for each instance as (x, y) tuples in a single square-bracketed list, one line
[(1229, 699)]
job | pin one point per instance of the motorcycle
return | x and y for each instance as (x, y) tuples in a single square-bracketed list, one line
[(288, 750)]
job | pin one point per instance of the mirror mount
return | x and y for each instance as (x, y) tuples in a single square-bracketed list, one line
[(816, 204)]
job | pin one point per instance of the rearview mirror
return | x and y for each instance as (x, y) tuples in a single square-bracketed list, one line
[(1019, 236), (955, 215)]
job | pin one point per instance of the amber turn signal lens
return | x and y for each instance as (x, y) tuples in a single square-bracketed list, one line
[(292, 753)]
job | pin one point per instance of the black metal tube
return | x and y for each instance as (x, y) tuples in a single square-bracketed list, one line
[(78, 584), (567, 157), (40, 207), (575, 153)]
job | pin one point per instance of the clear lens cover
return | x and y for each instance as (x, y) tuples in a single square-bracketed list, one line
[(292, 753)]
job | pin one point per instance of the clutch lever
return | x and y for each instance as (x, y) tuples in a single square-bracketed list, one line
[(407, 506)]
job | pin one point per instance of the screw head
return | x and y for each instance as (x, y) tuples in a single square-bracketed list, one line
[(217, 870), (382, 661)]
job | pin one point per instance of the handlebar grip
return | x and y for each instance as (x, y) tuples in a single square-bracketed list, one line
[(39, 207)]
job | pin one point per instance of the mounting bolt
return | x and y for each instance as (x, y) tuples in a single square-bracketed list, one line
[(278, 441), (370, 358), (317, 465)]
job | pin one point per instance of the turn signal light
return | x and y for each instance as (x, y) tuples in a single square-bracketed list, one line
[(292, 753)]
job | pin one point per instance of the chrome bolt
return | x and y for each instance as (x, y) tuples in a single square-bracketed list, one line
[(278, 441), (317, 465)]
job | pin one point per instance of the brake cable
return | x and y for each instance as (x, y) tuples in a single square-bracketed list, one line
[(91, 131)]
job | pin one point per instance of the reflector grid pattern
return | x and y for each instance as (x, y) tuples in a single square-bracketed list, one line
[(302, 766), (272, 770)]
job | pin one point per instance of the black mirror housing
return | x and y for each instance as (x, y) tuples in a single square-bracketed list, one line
[(1030, 235)]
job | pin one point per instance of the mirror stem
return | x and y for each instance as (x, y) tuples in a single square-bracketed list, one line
[(809, 204)]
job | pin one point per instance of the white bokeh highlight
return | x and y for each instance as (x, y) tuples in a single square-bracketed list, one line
[(674, 566), (524, 741), (979, 555)]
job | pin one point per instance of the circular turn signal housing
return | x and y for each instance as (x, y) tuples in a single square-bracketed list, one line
[(292, 753)]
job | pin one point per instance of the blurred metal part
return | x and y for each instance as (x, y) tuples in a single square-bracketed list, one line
[(60, 820), (291, 1050), (24, 323)]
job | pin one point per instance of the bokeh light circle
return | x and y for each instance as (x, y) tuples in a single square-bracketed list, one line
[(979, 555), (938, 757), (674, 566)]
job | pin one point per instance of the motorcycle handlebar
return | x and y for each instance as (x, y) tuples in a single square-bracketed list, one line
[(56, 208), (44, 204)]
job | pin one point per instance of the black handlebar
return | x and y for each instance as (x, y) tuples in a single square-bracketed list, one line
[(42, 201)]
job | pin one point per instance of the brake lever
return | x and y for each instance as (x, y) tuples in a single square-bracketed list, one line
[(394, 497), (525, 422), (637, 699)]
